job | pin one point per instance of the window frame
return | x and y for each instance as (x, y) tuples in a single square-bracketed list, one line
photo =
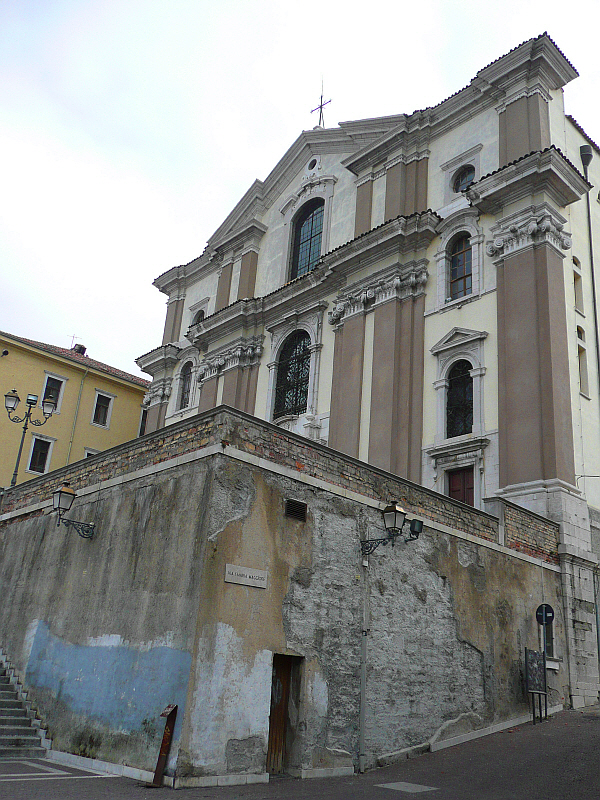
[(310, 320), (304, 360), (303, 215), (461, 223), (314, 185), (468, 379), (458, 175), (111, 398), (454, 261), (61, 391), (185, 378), (38, 438)]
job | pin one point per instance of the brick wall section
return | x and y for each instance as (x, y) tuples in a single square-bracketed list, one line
[(528, 533)]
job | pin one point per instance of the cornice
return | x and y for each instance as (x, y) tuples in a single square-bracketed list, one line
[(161, 358), (396, 237), (458, 337), (452, 448), (537, 65), (542, 171)]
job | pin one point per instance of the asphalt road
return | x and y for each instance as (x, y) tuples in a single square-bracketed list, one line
[(556, 760)]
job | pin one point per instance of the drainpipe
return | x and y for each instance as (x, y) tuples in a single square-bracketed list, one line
[(87, 369), (587, 154), (363, 669)]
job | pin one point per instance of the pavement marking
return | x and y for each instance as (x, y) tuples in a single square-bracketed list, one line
[(55, 778), (42, 773), (38, 769), (410, 788)]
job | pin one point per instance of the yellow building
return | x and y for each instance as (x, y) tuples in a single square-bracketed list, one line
[(97, 406)]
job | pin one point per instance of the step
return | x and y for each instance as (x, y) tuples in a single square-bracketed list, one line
[(13, 711), (17, 730), (25, 735), (22, 752), (6, 704), (21, 722)]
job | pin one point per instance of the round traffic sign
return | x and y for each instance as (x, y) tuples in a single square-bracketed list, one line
[(544, 614)]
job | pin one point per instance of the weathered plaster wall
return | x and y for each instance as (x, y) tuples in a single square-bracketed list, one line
[(102, 630), (106, 632)]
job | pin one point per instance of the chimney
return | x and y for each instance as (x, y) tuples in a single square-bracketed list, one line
[(79, 349)]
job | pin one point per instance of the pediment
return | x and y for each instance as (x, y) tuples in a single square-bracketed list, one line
[(457, 337)]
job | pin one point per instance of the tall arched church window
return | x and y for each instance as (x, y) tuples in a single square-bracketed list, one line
[(291, 387), (186, 385), (460, 267), (459, 400), (308, 232)]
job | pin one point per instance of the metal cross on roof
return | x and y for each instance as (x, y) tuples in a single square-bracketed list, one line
[(320, 108)]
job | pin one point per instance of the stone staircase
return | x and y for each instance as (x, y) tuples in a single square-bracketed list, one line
[(19, 738)]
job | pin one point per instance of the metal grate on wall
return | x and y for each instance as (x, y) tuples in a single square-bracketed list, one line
[(295, 509)]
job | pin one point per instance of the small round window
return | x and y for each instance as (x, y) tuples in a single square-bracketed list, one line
[(312, 164), (463, 179)]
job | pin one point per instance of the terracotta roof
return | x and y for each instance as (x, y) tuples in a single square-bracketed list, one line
[(86, 361)]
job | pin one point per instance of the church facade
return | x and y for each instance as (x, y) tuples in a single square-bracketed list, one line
[(416, 291)]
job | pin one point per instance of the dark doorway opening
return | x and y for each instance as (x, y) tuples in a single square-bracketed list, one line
[(285, 694)]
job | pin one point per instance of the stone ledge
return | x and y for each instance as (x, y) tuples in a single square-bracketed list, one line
[(104, 767), (400, 755), (500, 726), (322, 772), (233, 779)]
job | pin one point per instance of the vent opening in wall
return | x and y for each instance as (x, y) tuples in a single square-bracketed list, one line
[(295, 509)]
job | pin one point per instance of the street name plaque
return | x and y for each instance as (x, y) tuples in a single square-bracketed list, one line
[(246, 576)]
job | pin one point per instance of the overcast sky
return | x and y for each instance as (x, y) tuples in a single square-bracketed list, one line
[(130, 128)]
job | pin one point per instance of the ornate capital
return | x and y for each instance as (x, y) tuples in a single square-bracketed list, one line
[(405, 281), (159, 392), (534, 225), (243, 353)]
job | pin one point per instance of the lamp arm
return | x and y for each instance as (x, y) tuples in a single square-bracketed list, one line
[(16, 419), (84, 529), (38, 423)]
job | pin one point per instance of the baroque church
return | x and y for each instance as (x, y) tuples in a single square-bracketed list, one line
[(416, 291), (402, 312)]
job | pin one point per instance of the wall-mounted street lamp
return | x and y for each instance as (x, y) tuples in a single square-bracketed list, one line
[(394, 519), (11, 401), (63, 500)]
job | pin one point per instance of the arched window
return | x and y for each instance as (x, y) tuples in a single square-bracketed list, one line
[(459, 400), (460, 267), (185, 379), (291, 387), (198, 317), (308, 231), (463, 179)]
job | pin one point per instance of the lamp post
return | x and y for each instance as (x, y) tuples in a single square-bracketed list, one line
[(11, 401), (62, 500)]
